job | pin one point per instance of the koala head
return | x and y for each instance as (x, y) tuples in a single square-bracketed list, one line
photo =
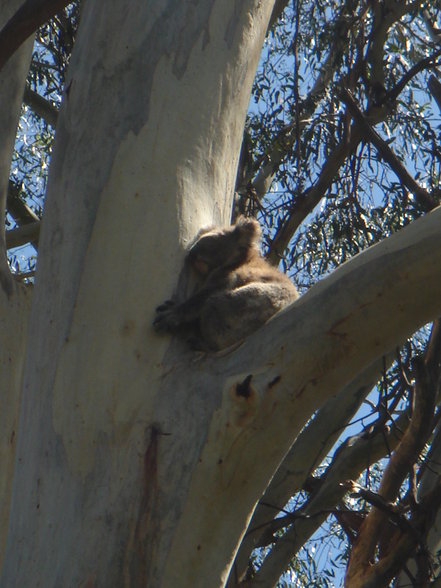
[(228, 247)]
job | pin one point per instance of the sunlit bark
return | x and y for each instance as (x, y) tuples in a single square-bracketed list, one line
[(139, 463)]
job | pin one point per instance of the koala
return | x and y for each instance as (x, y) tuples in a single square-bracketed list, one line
[(239, 290)]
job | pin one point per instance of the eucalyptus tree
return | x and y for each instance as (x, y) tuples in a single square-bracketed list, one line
[(129, 459)]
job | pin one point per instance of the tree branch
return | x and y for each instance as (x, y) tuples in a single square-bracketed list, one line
[(311, 197), (42, 108), (17, 208), (300, 358), (23, 235), (307, 452), (386, 153), (435, 90), (284, 140), (425, 63), (23, 216), (349, 461), (31, 15), (384, 15), (362, 556)]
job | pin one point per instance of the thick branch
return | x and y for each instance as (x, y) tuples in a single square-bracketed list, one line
[(17, 208), (31, 15), (309, 449), (351, 459), (385, 14), (403, 544), (299, 359), (24, 218), (360, 565), (23, 235), (14, 314)]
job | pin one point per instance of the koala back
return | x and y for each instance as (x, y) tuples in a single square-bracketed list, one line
[(237, 291), (230, 315), (243, 290)]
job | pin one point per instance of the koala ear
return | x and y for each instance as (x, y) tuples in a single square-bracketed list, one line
[(203, 232), (248, 229)]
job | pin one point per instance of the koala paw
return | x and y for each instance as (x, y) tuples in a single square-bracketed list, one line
[(167, 317)]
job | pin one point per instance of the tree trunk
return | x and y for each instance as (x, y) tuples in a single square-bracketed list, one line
[(139, 463), (14, 298), (146, 150)]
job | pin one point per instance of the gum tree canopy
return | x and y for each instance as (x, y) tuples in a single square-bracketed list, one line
[(127, 458)]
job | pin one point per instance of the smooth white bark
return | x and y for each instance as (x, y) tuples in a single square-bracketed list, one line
[(300, 358), (14, 314), (308, 451), (145, 153), (139, 463), (348, 463)]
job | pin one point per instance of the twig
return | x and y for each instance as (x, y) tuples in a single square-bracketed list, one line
[(42, 108), (386, 153), (413, 71)]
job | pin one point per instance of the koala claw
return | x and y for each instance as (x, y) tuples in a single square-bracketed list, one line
[(165, 306), (167, 318)]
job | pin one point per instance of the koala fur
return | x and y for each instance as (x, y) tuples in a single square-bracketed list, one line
[(240, 291)]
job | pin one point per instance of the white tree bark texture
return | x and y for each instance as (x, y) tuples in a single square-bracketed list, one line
[(307, 452), (301, 357), (145, 153), (139, 463)]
